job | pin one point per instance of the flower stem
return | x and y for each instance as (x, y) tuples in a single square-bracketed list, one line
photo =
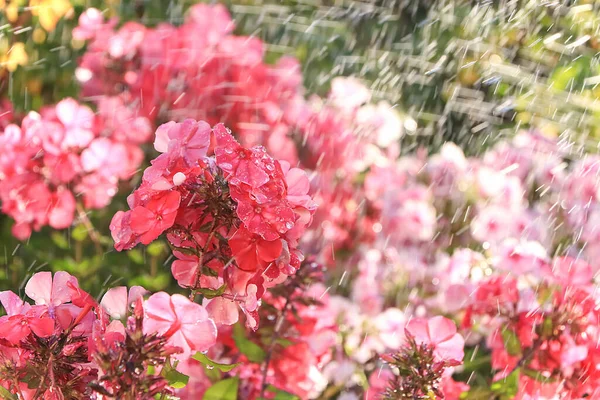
[(201, 261), (274, 338), (90, 227)]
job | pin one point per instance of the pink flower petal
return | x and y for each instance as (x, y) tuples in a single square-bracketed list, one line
[(11, 303), (440, 329), (418, 328), (115, 302), (223, 311), (39, 288), (451, 349)]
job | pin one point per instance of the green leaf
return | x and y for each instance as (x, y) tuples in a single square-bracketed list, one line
[(212, 364), (184, 250), (511, 342), (209, 271), (213, 375), (223, 390), (212, 293), (536, 375), (206, 227), (509, 386), (136, 256), (155, 249), (547, 327), (281, 394), (152, 283), (284, 342), (512, 383), (6, 394), (476, 393), (175, 378), (79, 233), (253, 351), (563, 77), (60, 240)]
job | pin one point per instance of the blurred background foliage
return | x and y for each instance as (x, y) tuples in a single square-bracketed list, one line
[(470, 72)]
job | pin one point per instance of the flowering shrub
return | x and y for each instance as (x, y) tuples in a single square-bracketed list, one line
[(233, 219), (362, 269), (197, 70), (59, 154), (67, 345)]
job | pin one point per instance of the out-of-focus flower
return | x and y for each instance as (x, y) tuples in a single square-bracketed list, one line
[(49, 12)]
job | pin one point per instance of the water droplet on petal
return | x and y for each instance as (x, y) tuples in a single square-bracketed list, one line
[(178, 178)]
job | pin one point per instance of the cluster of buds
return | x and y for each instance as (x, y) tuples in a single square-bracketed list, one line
[(44, 347), (419, 374), (129, 365), (68, 346)]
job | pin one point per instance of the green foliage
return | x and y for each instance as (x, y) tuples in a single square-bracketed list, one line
[(175, 378), (204, 360), (511, 342), (212, 293), (250, 349), (508, 387), (281, 394), (6, 395), (224, 390)]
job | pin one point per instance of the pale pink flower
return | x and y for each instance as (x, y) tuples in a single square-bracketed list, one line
[(44, 289), (440, 333), (185, 324), (116, 300)]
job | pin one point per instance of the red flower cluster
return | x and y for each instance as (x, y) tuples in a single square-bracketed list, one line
[(198, 70), (291, 347), (550, 332), (233, 218), (46, 342), (58, 154), (424, 364), (65, 346)]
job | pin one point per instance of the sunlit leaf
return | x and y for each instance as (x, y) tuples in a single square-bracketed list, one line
[(210, 363)]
